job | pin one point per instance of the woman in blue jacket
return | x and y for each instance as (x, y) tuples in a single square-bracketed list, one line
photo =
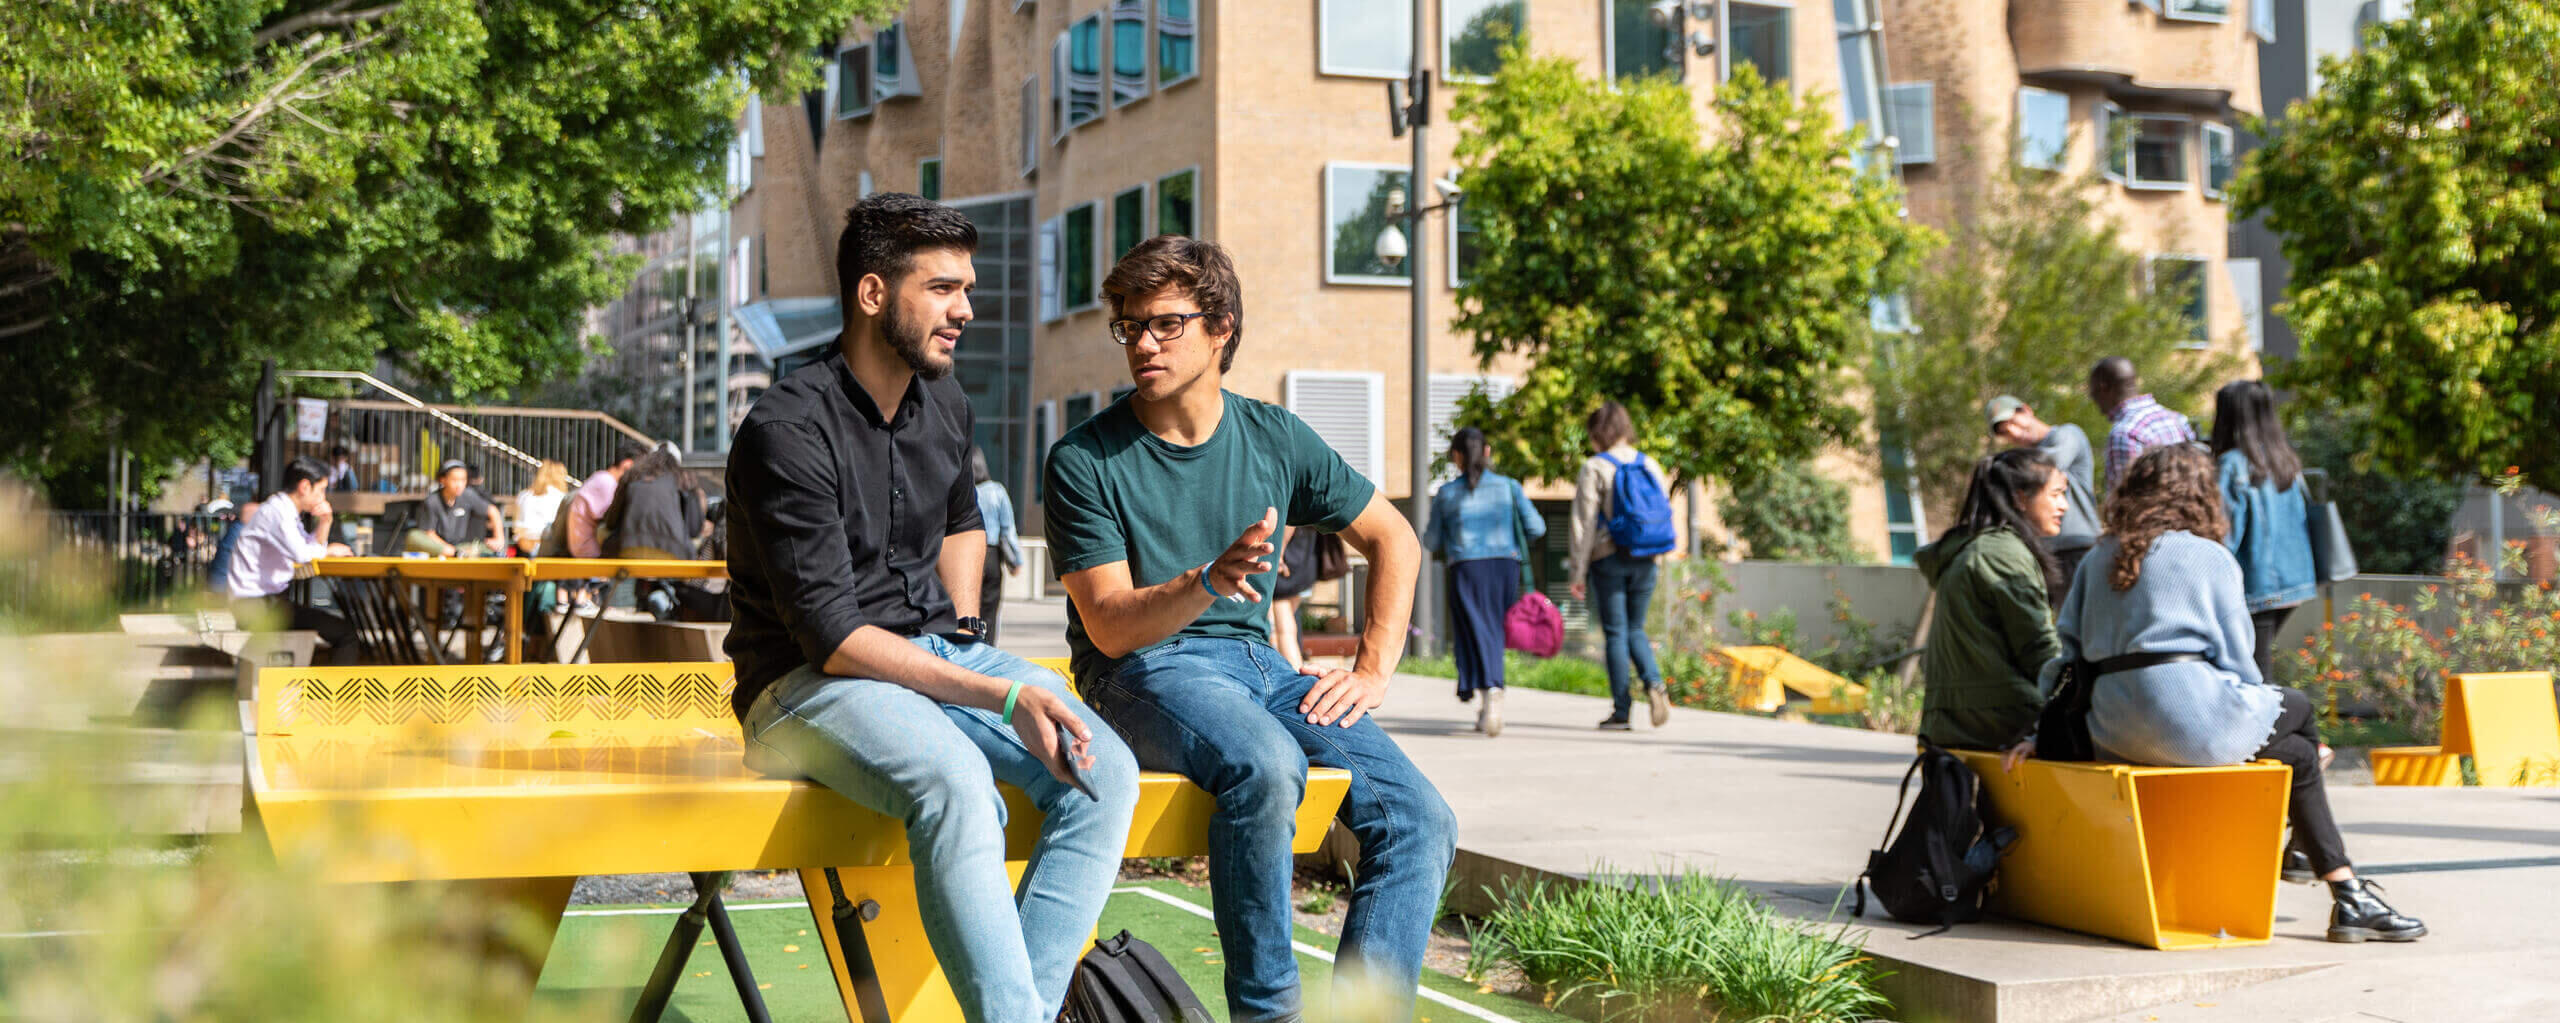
[(2262, 494), (1479, 524)]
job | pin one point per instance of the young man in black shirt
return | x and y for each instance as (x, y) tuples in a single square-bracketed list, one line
[(855, 553)]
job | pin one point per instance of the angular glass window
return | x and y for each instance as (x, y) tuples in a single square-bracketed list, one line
[(1178, 203), (853, 82), (2044, 127), (929, 178), (1077, 242), (2115, 141), (2197, 10), (1128, 221), (1075, 75), (1177, 42), (1030, 125), (1128, 51), (1756, 34), (2217, 159), (893, 73), (1356, 217), (1365, 38), (1636, 46), (1473, 33), (2159, 147), (1915, 121), (1464, 242)]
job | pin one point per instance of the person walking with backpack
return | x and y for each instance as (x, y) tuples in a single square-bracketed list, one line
[(1480, 525), (1621, 523)]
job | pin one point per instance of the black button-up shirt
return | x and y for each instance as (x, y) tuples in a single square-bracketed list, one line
[(836, 518)]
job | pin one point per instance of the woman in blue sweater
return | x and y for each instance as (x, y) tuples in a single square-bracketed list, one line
[(2161, 583), (2261, 484)]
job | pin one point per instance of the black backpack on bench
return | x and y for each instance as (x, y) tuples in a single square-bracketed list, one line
[(1125, 980), (1937, 870)]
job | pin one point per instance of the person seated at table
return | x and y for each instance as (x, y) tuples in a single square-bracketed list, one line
[(2161, 582), (270, 543), (460, 523), (656, 514), (1992, 629), (854, 561)]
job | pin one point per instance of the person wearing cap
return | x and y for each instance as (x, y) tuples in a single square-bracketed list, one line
[(2015, 424), (459, 522)]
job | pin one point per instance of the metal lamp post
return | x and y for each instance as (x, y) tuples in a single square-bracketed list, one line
[(1410, 110)]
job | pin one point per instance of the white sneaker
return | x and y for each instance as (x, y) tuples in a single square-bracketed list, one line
[(1659, 699), (1489, 720), (1482, 705)]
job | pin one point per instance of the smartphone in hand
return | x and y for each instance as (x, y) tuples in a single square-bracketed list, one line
[(1075, 770)]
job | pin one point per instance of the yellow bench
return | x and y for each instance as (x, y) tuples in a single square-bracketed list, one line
[(1764, 675), (2505, 722), (514, 780), (2165, 857)]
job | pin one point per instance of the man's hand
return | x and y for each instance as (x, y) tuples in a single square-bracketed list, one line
[(320, 516), (449, 549), (1037, 713), (1243, 559), (2014, 755), (1575, 589), (1342, 695), (339, 550)]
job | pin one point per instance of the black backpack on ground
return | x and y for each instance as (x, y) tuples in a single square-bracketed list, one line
[(1125, 980), (1936, 870)]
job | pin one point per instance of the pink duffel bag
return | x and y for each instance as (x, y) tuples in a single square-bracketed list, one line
[(1534, 626)]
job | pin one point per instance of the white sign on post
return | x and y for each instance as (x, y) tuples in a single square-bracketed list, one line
[(310, 420)]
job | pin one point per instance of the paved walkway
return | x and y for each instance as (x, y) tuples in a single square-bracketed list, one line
[(1791, 810)]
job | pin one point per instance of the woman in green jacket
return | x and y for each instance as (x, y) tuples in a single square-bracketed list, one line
[(1993, 627)]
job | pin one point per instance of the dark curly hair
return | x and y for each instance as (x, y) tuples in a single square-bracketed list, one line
[(2171, 487)]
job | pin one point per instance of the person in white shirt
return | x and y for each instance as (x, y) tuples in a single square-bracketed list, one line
[(272, 541), (538, 505)]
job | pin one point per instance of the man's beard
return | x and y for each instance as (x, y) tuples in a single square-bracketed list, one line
[(910, 342)]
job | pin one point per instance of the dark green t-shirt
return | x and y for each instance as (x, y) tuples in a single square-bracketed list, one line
[(1116, 492)]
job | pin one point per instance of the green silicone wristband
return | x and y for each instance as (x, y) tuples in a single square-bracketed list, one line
[(1011, 695)]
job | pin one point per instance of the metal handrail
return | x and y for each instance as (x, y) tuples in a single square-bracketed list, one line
[(507, 410), (405, 398)]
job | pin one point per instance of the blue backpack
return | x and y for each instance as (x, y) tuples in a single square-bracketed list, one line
[(1639, 512)]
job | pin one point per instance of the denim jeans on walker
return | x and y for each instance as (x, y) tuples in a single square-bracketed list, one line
[(1224, 713), (934, 767), (1621, 593)]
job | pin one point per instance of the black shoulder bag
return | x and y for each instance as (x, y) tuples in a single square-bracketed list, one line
[(2062, 728)]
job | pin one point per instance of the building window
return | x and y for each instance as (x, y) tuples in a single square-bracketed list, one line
[(1045, 270), (2217, 159), (1915, 121), (1030, 125), (1080, 407), (1075, 75), (1178, 203), (2245, 285), (2262, 19), (1044, 432), (853, 82), (1076, 245), (1128, 51), (1365, 38), (1347, 411), (2044, 127), (1473, 33), (2197, 10), (1177, 37), (929, 177), (1889, 314), (1637, 47), (2183, 276), (1756, 34), (1355, 202), (1464, 245), (1905, 529), (893, 72), (1861, 95), (862, 184), (2159, 146), (2115, 144), (1128, 221)]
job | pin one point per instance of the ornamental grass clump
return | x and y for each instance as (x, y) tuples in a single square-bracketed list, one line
[(1688, 947)]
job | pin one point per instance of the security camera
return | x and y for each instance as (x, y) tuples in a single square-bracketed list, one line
[(1449, 190)]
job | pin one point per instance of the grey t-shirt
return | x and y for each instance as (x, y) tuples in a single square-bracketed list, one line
[(2068, 447)]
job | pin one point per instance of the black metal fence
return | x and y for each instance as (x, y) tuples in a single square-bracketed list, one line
[(395, 448), (156, 558)]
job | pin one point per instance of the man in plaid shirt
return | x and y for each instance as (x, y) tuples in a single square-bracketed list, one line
[(2140, 423)]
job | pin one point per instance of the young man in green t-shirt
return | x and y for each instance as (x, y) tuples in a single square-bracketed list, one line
[(1161, 514)]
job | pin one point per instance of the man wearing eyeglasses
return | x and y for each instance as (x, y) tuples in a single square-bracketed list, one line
[(1161, 514)]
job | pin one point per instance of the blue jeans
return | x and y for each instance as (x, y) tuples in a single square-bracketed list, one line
[(1224, 713), (935, 767), (1621, 593)]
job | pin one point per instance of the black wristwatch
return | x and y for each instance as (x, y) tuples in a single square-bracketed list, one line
[(974, 627)]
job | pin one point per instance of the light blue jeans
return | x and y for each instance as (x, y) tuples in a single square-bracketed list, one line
[(1224, 713), (935, 767)]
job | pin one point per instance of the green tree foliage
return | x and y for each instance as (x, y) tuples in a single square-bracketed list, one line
[(2414, 194), (1477, 50), (2035, 287), (1718, 290), (2401, 525), (1794, 514), (189, 187)]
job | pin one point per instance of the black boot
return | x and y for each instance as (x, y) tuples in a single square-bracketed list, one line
[(2361, 915), (2297, 866)]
